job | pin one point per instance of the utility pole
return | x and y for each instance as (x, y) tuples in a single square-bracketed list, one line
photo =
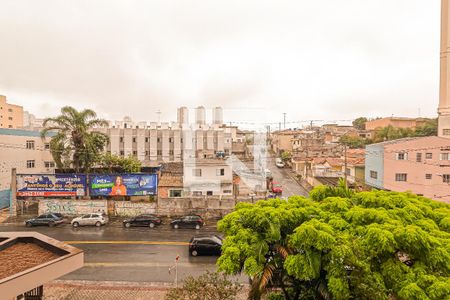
[(345, 165), (284, 120), (158, 112), (279, 126)]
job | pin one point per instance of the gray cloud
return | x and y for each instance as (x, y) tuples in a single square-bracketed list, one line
[(311, 59)]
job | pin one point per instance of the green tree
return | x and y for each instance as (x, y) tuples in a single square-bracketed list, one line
[(341, 245), (209, 286), (114, 163), (430, 128), (353, 142), (286, 156), (360, 123), (391, 133), (75, 144)]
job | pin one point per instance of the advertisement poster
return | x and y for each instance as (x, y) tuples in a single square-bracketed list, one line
[(57, 185), (123, 185)]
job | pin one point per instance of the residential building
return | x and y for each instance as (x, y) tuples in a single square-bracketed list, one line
[(444, 96), (420, 165), (183, 115), (208, 177), (217, 115), (11, 115), (397, 122), (24, 150), (282, 140)]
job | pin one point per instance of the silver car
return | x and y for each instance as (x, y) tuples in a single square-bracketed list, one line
[(95, 219)]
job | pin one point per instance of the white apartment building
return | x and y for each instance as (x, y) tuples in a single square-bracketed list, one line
[(25, 151), (207, 177)]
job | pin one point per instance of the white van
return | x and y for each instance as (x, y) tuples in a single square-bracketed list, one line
[(267, 173), (279, 163)]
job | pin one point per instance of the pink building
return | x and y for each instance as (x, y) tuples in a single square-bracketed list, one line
[(420, 165)]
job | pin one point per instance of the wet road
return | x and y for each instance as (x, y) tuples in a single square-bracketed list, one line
[(113, 253), (282, 176)]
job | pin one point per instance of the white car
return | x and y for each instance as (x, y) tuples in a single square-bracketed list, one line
[(95, 219), (279, 163)]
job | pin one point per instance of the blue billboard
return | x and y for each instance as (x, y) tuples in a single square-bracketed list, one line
[(54, 185), (123, 184)]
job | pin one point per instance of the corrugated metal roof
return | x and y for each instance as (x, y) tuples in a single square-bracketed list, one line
[(23, 132)]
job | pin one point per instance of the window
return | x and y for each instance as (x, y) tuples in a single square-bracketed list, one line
[(227, 191), (428, 176), (134, 152), (170, 140), (446, 178), (446, 132), (147, 153), (49, 164), (197, 193), (10, 118), (428, 155), (30, 145), (121, 139), (10, 109), (9, 126), (30, 164), (159, 152), (220, 172), (209, 193), (46, 146), (170, 152), (174, 193), (347, 171), (374, 174), (401, 177), (445, 156), (402, 156), (146, 139), (122, 152), (134, 140), (419, 157), (197, 172), (158, 140)]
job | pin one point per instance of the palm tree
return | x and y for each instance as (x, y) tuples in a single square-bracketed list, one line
[(75, 143)]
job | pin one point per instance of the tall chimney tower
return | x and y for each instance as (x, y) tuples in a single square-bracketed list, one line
[(217, 115), (444, 96), (200, 115)]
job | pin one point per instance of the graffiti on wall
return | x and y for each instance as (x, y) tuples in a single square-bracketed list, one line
[(71, 207), (126, 208)]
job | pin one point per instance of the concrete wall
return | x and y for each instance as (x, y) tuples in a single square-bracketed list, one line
[(374, 162), (72, 207), (127, 208)]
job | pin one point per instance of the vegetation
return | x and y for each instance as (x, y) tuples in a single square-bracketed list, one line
[(360, 123), (75, 145), (286, 156), (340, 244), (353, 142), (209, 286), (117, 164)]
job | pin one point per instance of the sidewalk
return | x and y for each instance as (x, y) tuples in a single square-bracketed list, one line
[(99, 290)]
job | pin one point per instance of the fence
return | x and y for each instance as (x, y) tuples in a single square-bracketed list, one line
[(5, 198)]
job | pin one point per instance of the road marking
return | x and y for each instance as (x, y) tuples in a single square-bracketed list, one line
[(127, 243), (146, 264)]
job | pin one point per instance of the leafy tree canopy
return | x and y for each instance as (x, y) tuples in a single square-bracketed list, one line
[(75, 143), (353, 142), (209, 286), (114, 163), (286, 156), (340, 244), (360, 123)]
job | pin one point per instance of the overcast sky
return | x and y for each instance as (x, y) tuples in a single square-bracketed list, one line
[(321, 59)]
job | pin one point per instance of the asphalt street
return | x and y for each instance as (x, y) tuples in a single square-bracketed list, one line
[(113, 253), (283, 176)]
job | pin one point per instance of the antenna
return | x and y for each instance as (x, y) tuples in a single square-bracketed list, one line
[(158, 112)]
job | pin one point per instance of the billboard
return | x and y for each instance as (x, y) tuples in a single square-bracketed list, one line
[(123, 185), (54, 185)]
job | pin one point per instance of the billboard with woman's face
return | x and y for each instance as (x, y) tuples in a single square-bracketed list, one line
[(123, 185)]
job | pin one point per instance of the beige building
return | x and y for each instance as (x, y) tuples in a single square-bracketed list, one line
[(397, 122), (444, 98), (208, 177), (25, 151), (11, 115)]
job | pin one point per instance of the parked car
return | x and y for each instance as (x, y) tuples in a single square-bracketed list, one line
[(44, 220), (277, 188), (279, 163), (59, 215), (143, 220), (205, 245), (267, 173), (189, 221), (96, 219)]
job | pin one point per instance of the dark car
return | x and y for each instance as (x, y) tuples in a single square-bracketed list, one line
[(44, 220), (190, 221), (143, 220), (205, 245)]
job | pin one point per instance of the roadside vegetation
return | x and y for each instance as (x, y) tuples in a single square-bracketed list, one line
[(339, 244)]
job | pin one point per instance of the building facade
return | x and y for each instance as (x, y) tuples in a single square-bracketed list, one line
[(11, 115), (420, 165), (24, 150), (396, 122), (444, 96)]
